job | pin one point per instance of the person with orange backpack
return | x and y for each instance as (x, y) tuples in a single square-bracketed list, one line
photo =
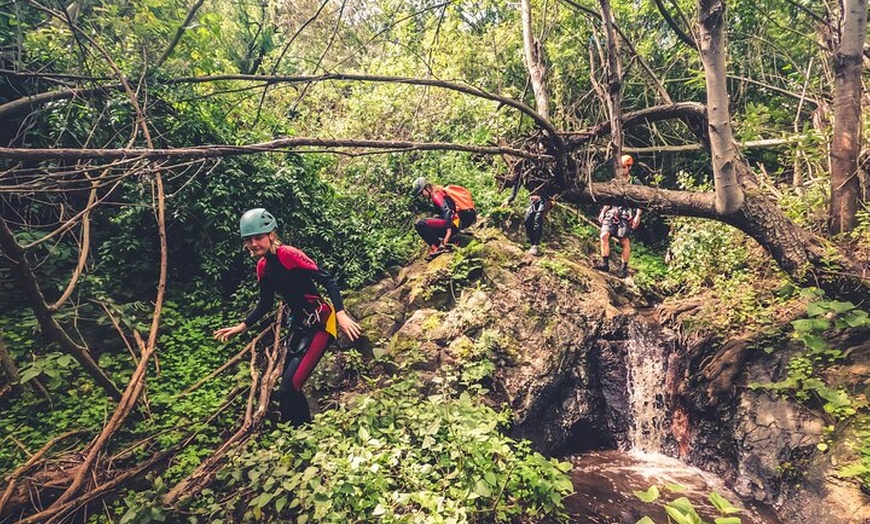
[(456, 211)]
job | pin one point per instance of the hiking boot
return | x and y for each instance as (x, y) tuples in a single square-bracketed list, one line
[(434, 251), (622, 272), (603, 266), (534, 251)]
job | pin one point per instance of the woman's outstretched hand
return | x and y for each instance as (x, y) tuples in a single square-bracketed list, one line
[(348, 325), (224, 334)]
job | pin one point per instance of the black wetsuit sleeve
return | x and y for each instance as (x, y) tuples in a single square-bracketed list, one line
[(264, 305), (448, 211), (323, 278)]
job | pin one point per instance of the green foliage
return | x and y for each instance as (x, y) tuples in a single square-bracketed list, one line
[(394, 455), (702, 250), (466, 264), (803, 373), (861, 467), (186, 354), (52, 367), (681, 510), (652, 270), (465, 267)]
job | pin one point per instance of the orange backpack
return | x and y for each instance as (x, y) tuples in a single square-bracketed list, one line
[(461, 197)]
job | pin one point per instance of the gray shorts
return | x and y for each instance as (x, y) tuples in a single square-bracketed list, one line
[(622, 229)]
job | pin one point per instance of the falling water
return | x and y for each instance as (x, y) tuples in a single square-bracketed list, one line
[(646, 359), (606, 481)]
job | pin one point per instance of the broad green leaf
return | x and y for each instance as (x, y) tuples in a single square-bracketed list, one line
[(728, 520), (721, 503), (650, 495), (840, 307), (678, 515), (815, 309), (482, 489), (645, 520), (683, 504)]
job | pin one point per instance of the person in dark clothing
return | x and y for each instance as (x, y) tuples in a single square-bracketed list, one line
[(456, 211), (540, 203), (618, 221), (287, 271)]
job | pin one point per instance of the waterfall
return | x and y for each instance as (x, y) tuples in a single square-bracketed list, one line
[(646, 359)]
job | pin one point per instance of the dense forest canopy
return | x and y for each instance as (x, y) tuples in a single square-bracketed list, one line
[(136, 132)]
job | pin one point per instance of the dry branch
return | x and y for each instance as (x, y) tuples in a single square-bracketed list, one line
[(23, 274), (226, 365), (214, 151), (260, 394), (24, 468)]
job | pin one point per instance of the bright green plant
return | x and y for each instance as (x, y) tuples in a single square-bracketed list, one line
[(803, 377), (860, 468), (394, 455), (681, 510)]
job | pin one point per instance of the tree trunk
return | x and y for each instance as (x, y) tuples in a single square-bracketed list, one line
[(614, 87), (50, 328), (805, 258), (534, 53), (711, 26), (9, 367), (846, 142)]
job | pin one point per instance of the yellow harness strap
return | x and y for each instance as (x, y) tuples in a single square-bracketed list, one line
[(331, 324)]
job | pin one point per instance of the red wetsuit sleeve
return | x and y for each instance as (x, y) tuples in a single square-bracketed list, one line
[(294, 258)]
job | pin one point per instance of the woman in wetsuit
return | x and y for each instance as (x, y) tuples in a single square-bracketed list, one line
[(287, 271)]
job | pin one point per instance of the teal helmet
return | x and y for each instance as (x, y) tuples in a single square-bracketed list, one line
[(257, 221), (420, 184)]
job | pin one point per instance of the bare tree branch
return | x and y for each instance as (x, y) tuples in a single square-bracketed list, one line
[(613, 69), (28, 104), (534, 55), (21, 470), (681, 34), (23, 273), (693, 114), (786, 92), (213, 151), (711, 26), (181, 29)]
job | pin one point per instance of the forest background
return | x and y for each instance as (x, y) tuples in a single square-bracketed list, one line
[(136, 133)]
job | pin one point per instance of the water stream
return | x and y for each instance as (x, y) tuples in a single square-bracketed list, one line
[(605, 481)]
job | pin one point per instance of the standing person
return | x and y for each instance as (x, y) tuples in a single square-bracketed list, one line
[(618, 221), (540, 203), (455, 207), (287, 271), (527, 172)]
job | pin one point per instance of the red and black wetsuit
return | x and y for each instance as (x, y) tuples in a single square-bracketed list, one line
[(290, 273), (434, 229)]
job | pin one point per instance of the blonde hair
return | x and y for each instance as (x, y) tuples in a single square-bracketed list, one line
[(275, 241)]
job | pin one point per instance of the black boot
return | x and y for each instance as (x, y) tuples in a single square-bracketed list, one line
[(603, 266), (622, 272)]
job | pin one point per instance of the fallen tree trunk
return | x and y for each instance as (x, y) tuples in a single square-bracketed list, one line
[(807, 259)]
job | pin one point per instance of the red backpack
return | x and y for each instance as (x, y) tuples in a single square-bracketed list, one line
[(461, 197)]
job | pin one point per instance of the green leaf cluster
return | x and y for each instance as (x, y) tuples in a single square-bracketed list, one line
[(398, 454), (804, 371), (681, 510)]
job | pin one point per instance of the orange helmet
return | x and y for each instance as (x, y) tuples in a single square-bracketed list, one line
[(626, 160)]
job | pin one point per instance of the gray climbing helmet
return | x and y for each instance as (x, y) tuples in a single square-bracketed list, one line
[(257, 221), (420, 184)]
